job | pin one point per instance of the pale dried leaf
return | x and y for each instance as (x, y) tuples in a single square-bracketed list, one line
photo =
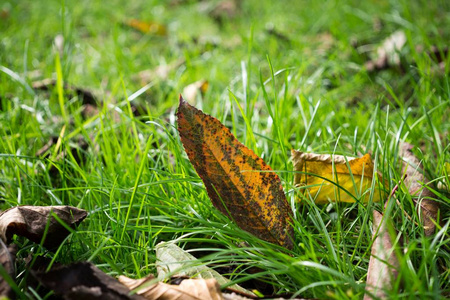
[(172, 259), (188, 289), (387, 53), (383, 264), (191, 91), (31, 222), (160, 72), (7, 260), (417, 184)]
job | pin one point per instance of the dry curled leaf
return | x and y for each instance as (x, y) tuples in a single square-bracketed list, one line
[(239, 183), (191, 91), (84, 281), (387, 53), (171, 259), (328, 178), (160, 72), (87, 96), (31, 222), (383, 264), (7, 260), (417, 184), (188, 289)]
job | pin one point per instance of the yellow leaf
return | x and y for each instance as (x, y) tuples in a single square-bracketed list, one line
[(147, 27), (328, 178)]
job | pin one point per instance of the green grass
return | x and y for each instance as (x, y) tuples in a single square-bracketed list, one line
[(135, 179)]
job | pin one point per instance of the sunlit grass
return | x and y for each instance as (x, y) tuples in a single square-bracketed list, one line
[(135, 179)]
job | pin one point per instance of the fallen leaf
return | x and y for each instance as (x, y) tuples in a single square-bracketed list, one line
[(190, 92), (417, 184), (223, 10), (83, 280), (188, 289), (87, 96), (383, 264), (31, 222), (161, 72), (171, 259), (328, 178), (271, 30), (7, 260), (150, 27), (387, 53), (239, 183)]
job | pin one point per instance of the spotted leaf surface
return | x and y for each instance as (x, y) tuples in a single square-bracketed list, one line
[(239, 183)]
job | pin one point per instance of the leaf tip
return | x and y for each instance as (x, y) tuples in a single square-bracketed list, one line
[(182, 101)]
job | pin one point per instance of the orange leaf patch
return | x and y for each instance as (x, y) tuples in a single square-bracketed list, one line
[(233, 179)]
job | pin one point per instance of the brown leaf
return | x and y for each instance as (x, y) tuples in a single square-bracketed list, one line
[(383, 264), (85, 95), (189, 289), (31, 222), (7, 260), (271, 30), (83, 281), (239, 183), (327, 176), (417, 184), (225, 9), (76, 149), (387, 53)]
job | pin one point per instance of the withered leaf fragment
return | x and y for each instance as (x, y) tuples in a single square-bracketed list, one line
[(387, 53), (329, 178), (31, 222), (188, 289), (150, 27), (7, 260), (383, 264), (239, 183), (417, 184), (48, 84), (83, 280), (171, 259), (161, 72)]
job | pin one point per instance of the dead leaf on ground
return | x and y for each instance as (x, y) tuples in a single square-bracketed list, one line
[(31, 222), (328, 178), (239, 183), (271, 30), (77, 150), (384, 263), (191, 91), (171, 259), (387, 53), (417, 183), (225, 10), (160, 72), (439, 55), (83, 280), (188, 289), (148, 27), (7, 260), (87, 96)]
